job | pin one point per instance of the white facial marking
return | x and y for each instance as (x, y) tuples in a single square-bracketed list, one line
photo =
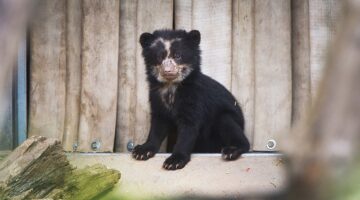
[(156, 41), (167, 45)]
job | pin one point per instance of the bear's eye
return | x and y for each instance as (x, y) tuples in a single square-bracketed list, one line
[(177, 56)]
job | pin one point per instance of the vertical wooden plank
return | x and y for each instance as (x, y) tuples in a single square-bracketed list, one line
[(151, 15), (243, 68), (183, 14), (73, 73), (6, 118), (323, 18), (125, 126), (273, 71), (20, 96), (300, 48), (47, 70), (100, 42), (213, 19)]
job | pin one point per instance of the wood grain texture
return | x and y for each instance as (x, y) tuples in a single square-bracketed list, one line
[(125, 128), (300, 48), (183, 14), (243, 68), (6, 118), (213, 19), (47, 70), (273, 71), (73, 73), (39, 169), (151, 15), (99, 74), (323, 23)]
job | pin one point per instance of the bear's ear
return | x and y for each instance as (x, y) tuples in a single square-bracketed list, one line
[(146, 39), (194, 36)]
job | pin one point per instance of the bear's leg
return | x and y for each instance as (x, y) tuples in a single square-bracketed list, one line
[(158, 131), (234, 141)]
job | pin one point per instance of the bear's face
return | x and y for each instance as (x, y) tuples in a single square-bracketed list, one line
[(171, 56)]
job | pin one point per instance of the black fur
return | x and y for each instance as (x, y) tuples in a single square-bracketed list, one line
[(205, 115)]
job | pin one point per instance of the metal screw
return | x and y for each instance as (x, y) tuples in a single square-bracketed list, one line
[(95, 145), (75, 146), (271, 144), (130, 146)]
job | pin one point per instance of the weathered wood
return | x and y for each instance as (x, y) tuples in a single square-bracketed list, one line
[(125, 126), (273, 71), (39, 169), (300, 48), (3, 154), (6, 120), (243, 68), (12, 30), (329, 136), (48, 69), (183, 14), (87, 183), (323, 18), (73, 73), (206, 16), (100, 43), (160, 14), (33, 169)]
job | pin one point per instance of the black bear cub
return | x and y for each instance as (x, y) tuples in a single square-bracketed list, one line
[(204, 114)]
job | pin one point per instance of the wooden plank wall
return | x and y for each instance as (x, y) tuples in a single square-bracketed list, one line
[(87, 80), (272, 70), (48, 70), (6, 119)]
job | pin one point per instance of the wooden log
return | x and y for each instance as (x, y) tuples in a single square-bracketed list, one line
[(39, 169), (33, 169), (273, 72), (87, 183), (48, 69), (243, 68), (99, 75), (160, 14), (125, 126), (3, 154), (300, 48), (73, 73)]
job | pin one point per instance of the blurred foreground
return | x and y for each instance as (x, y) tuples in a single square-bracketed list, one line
[(323, 150)]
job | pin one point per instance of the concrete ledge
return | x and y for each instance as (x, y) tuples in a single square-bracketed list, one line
[(205, 175)]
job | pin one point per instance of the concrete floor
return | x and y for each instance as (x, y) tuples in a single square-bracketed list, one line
[(205, 175)]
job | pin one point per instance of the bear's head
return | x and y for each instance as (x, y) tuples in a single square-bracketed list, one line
[(171, 55)]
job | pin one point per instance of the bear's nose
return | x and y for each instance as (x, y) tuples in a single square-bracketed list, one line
[(169, 66)]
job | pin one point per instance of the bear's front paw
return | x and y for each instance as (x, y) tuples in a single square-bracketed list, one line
[(176, 161), (231, 153), (143, 152)]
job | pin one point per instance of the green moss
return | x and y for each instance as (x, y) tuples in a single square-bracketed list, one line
[(87, 183), (348, 187), (3, 154)]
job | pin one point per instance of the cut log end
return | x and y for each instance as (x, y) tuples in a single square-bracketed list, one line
[(39, 169)]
